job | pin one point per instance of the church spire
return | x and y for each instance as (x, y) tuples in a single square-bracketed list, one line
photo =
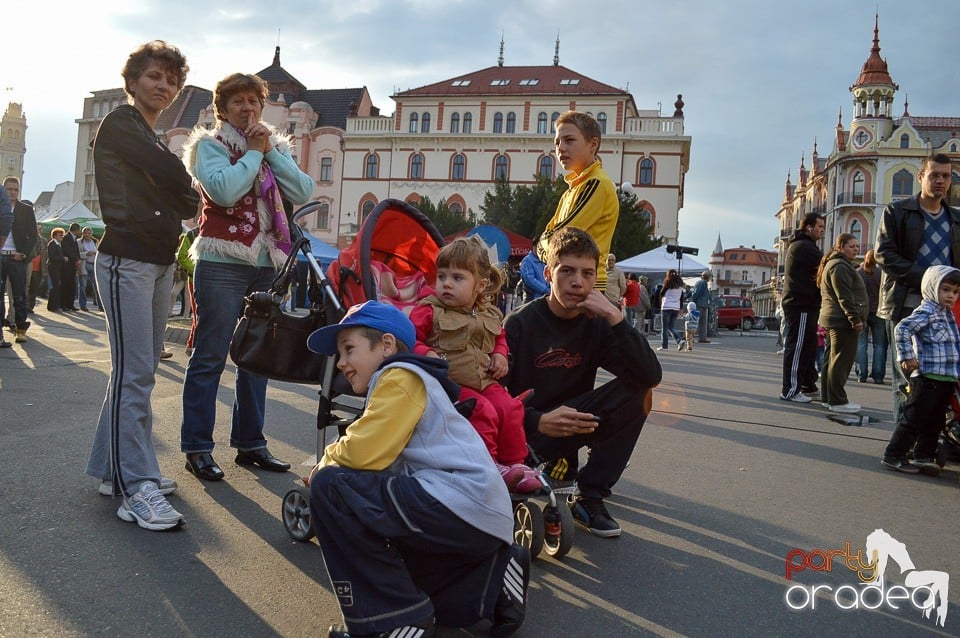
[(556, 51), (500, 58), (276, 56)]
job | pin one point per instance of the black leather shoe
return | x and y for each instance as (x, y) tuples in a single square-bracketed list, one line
[(263, 458), (202, 465), (511, 606)]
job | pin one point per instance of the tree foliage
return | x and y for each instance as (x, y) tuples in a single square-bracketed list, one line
[(446, 221), (524, 209), (634, 233)]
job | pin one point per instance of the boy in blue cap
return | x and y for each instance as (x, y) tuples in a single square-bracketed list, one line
[(414, 522)]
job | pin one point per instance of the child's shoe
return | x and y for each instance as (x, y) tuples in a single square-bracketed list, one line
[(511, 475), (530, 482)]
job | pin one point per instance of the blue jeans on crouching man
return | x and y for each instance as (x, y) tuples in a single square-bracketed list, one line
[(219, 290), (396, 555)]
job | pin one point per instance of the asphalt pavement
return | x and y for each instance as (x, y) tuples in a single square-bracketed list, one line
[(726, 483)]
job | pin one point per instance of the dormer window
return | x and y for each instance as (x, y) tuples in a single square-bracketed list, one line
[(460, 83), (499, 82), (532, 82), (569, 82)]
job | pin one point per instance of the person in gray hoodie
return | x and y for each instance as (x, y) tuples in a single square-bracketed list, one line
[(413, 520), (928, 351)]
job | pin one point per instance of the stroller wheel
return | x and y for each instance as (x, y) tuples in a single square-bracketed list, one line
[(558, 529), (296, 515), (528, 527)]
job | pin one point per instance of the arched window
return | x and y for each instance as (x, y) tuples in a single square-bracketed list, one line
[(953, 148), (366, 209), (904, 141), (498, 122), (425, 123), (602, 121), (455, 123), (501, 168), (545, 167), (416, 166), (511, 122), (858, 187), (468, 122), (456, 208), (542, 124), (856, 229), (414, 121), (372, 167), (903, 183), (459, 167), (553, 121), (646, 172)]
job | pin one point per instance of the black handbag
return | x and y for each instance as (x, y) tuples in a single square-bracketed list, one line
[(272, 343)]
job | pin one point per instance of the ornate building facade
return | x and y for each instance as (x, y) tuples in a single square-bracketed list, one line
[(873, 161), (452, 139)]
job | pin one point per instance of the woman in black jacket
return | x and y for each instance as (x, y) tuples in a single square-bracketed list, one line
[(145, 192)]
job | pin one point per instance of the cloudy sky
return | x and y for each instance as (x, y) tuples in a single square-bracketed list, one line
[(761, 79)]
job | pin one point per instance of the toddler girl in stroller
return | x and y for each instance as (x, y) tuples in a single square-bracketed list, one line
[(462, 324)]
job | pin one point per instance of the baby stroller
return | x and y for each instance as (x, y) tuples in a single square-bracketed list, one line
[(393, 259)]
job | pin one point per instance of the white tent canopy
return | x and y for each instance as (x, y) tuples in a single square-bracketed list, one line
[(659, 261)]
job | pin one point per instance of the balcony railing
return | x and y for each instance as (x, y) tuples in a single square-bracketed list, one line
[(376, 124), (856, 198), (654, 126)]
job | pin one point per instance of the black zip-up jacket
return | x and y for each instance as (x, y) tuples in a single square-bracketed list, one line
[(25, 230), (144, 189), (898, 242), (800, 288)]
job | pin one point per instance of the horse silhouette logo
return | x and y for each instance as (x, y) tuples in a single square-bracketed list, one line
[(882, 548)]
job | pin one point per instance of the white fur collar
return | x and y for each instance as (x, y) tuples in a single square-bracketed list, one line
[(230, 137)]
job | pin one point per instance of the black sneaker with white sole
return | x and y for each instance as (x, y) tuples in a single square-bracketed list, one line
[(511, 606), (899, 465), (927, 467), (423, 629), (591, 513)]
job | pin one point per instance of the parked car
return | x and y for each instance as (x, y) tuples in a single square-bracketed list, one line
[(732, 311)]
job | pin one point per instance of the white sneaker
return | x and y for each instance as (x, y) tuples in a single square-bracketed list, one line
[(659, 348), (799, 397), (149, 509), (167, 486), (846, 408)]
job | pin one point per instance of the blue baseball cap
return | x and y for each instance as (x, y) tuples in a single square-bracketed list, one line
[(370, 314)]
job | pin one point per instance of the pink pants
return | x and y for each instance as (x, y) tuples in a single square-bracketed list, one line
[(498, 419)]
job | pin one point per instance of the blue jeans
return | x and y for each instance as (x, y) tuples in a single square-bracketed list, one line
[(16, 272), (91, 276), (82, 275), (219, 290), (878, 334), (668, 318)]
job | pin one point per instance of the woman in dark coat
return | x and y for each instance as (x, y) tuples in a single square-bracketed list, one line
[(843, 312)]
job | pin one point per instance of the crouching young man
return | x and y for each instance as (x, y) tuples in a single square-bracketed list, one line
[(414, 522), (558, 343)]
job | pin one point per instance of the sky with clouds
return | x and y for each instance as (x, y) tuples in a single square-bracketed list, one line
[(761, 80)]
